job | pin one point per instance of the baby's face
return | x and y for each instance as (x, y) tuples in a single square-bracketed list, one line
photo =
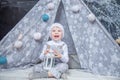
[(56, 33)]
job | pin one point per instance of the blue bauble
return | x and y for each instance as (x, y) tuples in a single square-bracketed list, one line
[(3, 60), (45, 17)]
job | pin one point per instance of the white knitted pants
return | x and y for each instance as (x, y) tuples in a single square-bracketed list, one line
[(57, 71)]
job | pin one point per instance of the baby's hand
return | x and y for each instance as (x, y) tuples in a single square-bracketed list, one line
[(57, 54), (46, 51)]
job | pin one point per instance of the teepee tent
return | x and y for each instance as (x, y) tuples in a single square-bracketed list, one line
[(91, 47)]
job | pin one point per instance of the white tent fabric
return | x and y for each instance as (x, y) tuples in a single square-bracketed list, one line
[(95, 48), (29, 52)]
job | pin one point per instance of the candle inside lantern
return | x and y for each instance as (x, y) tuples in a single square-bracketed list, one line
[(49, 61)]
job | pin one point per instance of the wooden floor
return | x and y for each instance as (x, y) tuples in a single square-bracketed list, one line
[(73, 74)]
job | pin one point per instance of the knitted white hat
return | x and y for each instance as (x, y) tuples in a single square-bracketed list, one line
[(58, 25)]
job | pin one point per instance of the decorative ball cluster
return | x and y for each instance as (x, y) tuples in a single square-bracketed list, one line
[(91, 17), (50, 6)]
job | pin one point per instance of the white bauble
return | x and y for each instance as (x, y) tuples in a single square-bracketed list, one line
[(75, 9), (91, 17), (18, 44), (50, 6), (20, 36), (37, 36)]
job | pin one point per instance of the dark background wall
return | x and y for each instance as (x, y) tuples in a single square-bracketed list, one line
[(108, 12), (11, 11)]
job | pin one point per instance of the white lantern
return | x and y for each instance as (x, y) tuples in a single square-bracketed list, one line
[(50, 6), (49, 61), (37, 36), (75, 9), (91, 17), (18, 44)]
